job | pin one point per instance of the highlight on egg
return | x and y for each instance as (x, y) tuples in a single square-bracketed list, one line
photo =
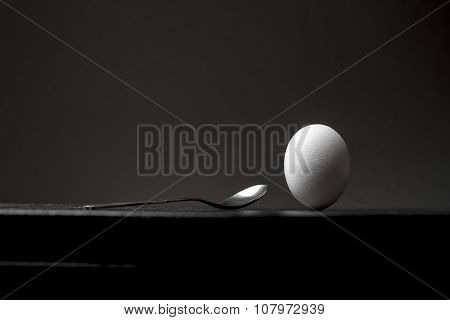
[(317, 166)]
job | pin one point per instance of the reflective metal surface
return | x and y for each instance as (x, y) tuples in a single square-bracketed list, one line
[(239, 200), (246, 196)]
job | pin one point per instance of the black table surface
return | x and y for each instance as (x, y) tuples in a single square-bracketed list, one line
[(196, 253)]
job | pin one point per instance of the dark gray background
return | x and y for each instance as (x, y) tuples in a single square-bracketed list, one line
[(68, 130)]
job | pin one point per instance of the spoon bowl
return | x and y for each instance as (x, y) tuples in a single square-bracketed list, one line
[(245, 197)]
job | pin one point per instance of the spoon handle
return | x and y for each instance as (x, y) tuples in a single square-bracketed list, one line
[(132, 204), (144, 203)]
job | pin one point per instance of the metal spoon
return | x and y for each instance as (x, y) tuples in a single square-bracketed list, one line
[(239, 200)]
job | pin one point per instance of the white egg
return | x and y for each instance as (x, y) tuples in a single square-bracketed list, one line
[(317, 166)]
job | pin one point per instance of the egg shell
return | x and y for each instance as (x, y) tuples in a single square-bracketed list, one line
[(317, 166)]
